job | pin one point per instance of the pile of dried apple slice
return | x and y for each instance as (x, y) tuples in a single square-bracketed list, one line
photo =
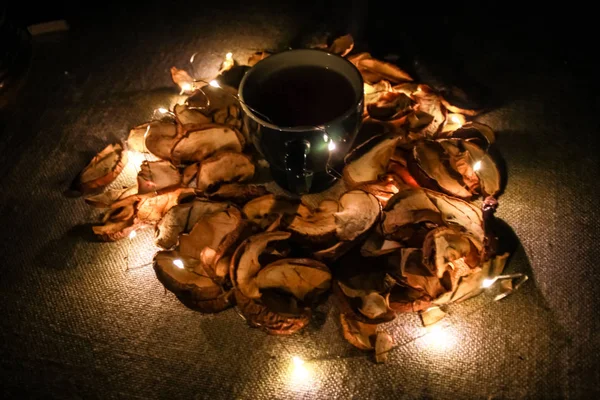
[(406, 234)]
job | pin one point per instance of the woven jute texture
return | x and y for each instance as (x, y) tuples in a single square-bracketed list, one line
[(75, 324)]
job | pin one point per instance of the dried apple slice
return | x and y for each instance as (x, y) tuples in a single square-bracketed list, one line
[(265, 210), (303, 278), (358, 334), (359, 212), (390, 105), (342, 45), (137, 138), (458, 213), (319, 226), (189, 118), (112, 231), (459, 110), (189, 174), (418, 276), (365, 296), (382, 70), (453, 122), (161, 136), (449, 249), (182, 218), (258, 56), (373, 93), (334, 252), (155, 176), (485, 168), (107, 198), (383, 189), (480, 134), (369, 160), (239, 193), (188, 279), (224, 168), (245, 263), (433, 161), (409, 215), (461, 161), (204, 142), (383, 344), (259, 316), (104, 168), (182, 79), (151, 208), (377, 245), (217, 231), (429, 102)]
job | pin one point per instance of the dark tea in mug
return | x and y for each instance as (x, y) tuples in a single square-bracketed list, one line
[(303, 109), (303, 96)]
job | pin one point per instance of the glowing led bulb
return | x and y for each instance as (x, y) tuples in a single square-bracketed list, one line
[(229, 56), (186, 87), (477, 166), (487, 283), (331, 146), (132, 234), (178, 263), (325, 138), (214, 83), (163, 110)]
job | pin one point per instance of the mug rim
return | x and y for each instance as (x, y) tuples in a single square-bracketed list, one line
[(299, 128)]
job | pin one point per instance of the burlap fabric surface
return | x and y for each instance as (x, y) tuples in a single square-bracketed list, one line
[(75, 324)]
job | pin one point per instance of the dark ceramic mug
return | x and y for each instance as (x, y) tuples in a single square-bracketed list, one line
[(303, 159)]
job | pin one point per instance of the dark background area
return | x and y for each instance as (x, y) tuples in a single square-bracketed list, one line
[(75, 325)]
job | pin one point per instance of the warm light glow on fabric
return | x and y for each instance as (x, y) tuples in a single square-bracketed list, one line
[(300, 374), (438, 338)]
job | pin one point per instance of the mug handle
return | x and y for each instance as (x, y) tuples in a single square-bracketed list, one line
[(298, 177)]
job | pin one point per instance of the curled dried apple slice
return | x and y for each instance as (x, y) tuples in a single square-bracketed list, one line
[(383, 344), (224, 168), (188, 279), (212, 236), (429, 102), (359, 212), (259, 316), (358, 334), (104, 168), (317, 227), (205, 141), (268, 209), (485, 168), (434, 162), (182, 218), (342, 45), (246, 262), (304, 278), (369, 160), (107, 198), (239, 193), (161, 136), (449, 249), (155, 176)]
